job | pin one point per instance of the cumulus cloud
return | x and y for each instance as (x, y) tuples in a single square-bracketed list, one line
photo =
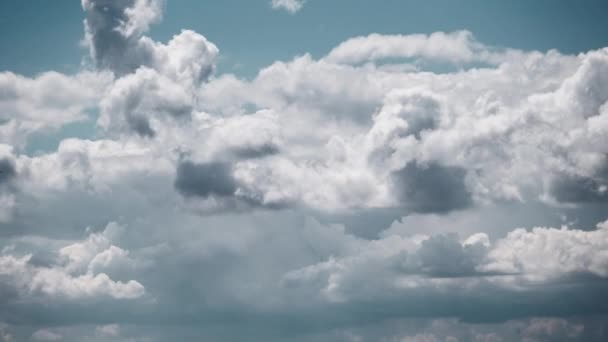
[(78, 274), (550, 252), (87, 164), (46, 102), (251, 136), (191, 162), (456, 47), (429, 122), (114, 34), (403, 267), (137, 97), (164, 88), (291, 6), (113, 29), (170, 72), (409, 126)]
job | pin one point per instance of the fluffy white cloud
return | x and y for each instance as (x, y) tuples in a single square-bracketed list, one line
[(291, 6), (56, 282), (341, 136), (492, 124), (46, 102), (403, 266), (86, 164), (549, 252), (96, 253), (78, 277), (457, 47), (137, 98)]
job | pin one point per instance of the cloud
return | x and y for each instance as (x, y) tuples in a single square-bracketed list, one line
[(405, 267), (549, 252), (432, 188), (114, 34), (78, 277), (352, 155), (404, 113), (558, 329), (46, 335), (320, 270), (211, 186), (395, 191), (4, 334), (164, 86), (205, 179), (458, 47), (8, 183), (46, 102), (111, 330), (251, 136), (7, 170), (137, 97), (291, 6), (555, 329), (580, 189), (492, 136), (113, 31)]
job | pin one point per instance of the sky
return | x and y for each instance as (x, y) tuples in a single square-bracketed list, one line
[(251, 35), (288, 170)]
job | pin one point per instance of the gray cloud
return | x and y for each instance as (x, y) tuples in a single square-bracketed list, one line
[(113, 29), (7, 170), (445, 256), (215, 183), (141, 126), (432, 188), (252, 152), (205, 179), (580, 189), (573, 189)]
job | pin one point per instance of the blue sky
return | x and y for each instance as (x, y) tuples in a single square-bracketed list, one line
[(289, 170), (45, 35)]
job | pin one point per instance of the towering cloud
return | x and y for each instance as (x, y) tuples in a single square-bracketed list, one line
[(360, 195), (113, 32)]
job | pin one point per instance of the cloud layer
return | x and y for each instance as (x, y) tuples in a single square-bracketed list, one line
[(406, 187)]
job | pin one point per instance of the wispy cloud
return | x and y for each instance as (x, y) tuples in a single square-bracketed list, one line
[(291, 6)]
